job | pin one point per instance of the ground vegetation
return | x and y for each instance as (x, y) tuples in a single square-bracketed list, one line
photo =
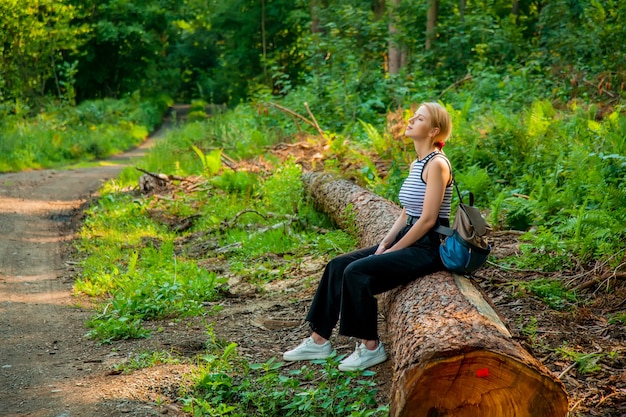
[(535, 91)]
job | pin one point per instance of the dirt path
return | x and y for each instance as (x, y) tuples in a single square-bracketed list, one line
[(47, 367)]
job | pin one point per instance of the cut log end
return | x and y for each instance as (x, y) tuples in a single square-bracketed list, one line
[(478, 383)]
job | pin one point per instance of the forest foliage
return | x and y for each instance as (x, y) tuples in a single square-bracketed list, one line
[(535, 89), (228, 52)]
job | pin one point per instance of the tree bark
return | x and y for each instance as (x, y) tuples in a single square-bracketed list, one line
[(452, 353), (314, 5), (462, 4), (378, 8), (315, 21), (431, 23), (263, 39), (395, 54)]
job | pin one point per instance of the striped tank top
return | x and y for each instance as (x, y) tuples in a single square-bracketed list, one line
[(413, 190)]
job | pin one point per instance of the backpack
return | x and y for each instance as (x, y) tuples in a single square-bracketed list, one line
[(465, 249)]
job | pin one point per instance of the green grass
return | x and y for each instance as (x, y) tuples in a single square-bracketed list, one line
[(62, 135), (585, 363), (618, 318), (238, 134), (147, 360), (225, 384), (551, 292), (144, 269)]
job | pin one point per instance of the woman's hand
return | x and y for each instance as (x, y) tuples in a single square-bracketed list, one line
[(382, 247)]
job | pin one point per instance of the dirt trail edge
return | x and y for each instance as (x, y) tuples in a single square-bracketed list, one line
[(46, 364)]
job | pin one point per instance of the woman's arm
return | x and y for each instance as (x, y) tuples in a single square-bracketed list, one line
[(392, 233), (437, 177), (395, 229)]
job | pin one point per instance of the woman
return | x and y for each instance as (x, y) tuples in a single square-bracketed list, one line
[(409, 250)]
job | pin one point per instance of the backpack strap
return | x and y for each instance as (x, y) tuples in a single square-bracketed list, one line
[(444, 230)]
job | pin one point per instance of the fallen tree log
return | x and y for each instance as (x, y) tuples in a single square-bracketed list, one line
[(452, 354)]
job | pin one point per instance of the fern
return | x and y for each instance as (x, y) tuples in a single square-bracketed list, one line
[(212, 163), (377, 140), (538, 122)]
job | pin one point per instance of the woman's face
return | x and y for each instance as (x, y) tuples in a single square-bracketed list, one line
[(419, 126)]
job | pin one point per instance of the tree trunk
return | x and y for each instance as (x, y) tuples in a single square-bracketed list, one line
[(315, 21), (263, 39), (452, 353), (352, 207), (378, 8), (314, 5), (462, 4), (515, 11), (394, 51), (431, 23)]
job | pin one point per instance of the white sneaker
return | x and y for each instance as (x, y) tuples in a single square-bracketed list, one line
[(308, 350), (363, 358)]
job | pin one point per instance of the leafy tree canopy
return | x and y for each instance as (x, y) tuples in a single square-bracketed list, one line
[(228, 52)]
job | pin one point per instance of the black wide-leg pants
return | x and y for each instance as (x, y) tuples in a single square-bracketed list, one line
[(349, 283)]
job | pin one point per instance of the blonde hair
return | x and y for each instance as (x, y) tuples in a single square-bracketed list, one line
[(439, 118)]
